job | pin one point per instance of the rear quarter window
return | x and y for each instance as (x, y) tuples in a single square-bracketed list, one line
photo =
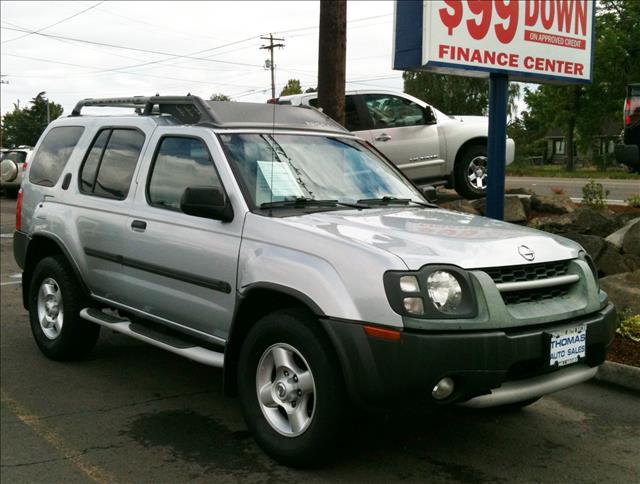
[(53, 154)]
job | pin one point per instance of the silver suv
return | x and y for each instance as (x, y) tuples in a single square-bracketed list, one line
[(270, 242), (12, 165)]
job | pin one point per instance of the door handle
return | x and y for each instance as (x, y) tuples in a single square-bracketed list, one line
[(383, 137), (139, 225)]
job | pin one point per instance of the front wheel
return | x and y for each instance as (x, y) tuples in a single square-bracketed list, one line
[(291, 388), (470, 172), (55, 302)]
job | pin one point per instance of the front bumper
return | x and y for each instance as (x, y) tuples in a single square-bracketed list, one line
[(383, 373)]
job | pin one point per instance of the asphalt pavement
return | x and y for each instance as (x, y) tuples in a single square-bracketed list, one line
[(133, 413)]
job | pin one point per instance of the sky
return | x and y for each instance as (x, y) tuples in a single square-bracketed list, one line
[(175, 48)]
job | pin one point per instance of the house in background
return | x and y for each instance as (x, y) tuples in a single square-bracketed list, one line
[(601, 148)]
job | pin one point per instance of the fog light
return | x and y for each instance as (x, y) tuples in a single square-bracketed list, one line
[(443, 388)]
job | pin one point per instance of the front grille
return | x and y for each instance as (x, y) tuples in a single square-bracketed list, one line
[(527, 273), (533, 295), (531, 272)]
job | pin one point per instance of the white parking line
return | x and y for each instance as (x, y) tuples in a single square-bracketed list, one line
[(6, 236), (10, 283)]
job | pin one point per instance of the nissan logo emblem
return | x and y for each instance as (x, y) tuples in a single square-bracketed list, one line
[(526, 253)]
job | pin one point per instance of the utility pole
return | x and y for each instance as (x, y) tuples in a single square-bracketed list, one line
[(332, 57), (270, 47)]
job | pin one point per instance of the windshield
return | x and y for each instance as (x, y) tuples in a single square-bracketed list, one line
[(279, 167)]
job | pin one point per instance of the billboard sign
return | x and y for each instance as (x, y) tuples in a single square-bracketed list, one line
[(530, 41)]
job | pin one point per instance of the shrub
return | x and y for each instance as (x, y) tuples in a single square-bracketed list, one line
[(594, 195), (629, 327), (558, 191), (634, 200)]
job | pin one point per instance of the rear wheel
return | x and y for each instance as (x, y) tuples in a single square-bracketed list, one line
[(470, 172), (55, 302), (291, 388)]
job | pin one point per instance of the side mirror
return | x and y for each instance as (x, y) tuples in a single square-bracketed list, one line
[(430, 194), (429, 116), (207, 202)]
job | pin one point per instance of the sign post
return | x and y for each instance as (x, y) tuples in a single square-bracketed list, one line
[(540, 41)]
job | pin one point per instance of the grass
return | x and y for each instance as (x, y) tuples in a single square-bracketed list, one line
[(517, 169)]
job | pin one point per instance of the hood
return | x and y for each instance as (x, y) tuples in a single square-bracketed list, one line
[(422, 236)]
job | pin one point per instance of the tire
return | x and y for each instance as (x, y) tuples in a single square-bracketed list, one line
[(318, 397), (470, 172), (55, 301)]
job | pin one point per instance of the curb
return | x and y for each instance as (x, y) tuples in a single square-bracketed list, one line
[(617, 374)]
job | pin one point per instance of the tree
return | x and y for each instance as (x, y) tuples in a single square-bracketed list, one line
[(292, 87), (581, 110), (455, 94), (24, 126), (219, 97)]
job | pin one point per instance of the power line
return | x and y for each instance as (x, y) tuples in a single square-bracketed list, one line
[(136, 49), (54, 24)]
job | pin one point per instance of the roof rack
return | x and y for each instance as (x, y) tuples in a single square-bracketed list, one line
[(186, 109)]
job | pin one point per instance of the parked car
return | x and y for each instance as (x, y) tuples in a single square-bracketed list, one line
[(628, 153), (12, 165), (429, 146), (295, 257)]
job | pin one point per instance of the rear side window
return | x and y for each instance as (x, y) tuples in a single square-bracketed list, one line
[(180, 163), (109, 165), (52, 156)]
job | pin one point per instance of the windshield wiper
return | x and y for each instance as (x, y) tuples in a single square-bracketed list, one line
[(302, 202), (393, 201)]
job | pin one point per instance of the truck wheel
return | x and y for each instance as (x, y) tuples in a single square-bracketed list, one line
[(291, 388), (470, 172), (55, 301)]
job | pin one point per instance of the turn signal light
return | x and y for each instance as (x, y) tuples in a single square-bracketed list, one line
[(382, 333)]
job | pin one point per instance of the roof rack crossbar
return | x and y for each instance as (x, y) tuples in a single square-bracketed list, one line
[(177, 106)]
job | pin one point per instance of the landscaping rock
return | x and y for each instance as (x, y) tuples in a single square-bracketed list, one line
[(554, 204), (591, 243), (623, 291), (617, 237), (460, 206), (610, 261), (556, 225), (526, 204), (513, 208), (631, 241), (632, 261), (594, 222)]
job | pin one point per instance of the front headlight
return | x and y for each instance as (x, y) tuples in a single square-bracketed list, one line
[(445, 291), (434, 292)]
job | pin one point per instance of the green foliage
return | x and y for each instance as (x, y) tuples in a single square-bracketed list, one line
[(634, 200), (629, 327), (292, 87), (219, 97), (594, 195), (24, 126), (581, 111), (454, 94)]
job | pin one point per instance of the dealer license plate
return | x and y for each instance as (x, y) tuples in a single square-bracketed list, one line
[(568, 345)]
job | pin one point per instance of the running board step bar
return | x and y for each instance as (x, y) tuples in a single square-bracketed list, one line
[(155, 338)]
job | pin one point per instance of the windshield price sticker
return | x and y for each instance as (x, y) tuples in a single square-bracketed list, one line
[(279, 178), (547, 39), (568, 346)]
